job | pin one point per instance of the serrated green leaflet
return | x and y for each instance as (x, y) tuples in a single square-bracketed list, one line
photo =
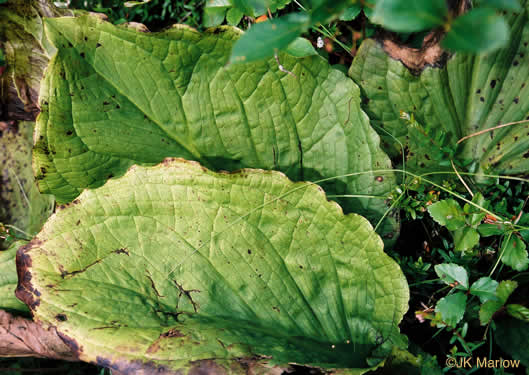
[(112, 97), (489, 308), (484, 288), (450, 273), (514, 253), (467, 95), (448, 213), (8, 279), (452, 308), (174, 263)]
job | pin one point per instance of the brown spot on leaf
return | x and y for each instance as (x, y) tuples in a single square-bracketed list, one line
[(172, 333), (187, 293), (65, 273), (122, 250), (61, 317), (153, 286)]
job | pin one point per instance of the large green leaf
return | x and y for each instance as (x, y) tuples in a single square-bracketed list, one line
[(175, 263), (8, 279), (458, 97), (113, 96)]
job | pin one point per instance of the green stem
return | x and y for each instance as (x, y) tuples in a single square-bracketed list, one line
[(29, 236), (389, 210), (501, 255)]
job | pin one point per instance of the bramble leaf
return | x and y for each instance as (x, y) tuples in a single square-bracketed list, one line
[(487, 230), (487, 310), (448, 213), (301, 47), (173, 265), (514, 253), (465, 238), (484, 288), (452, 308), (450, 273), (503, 291)]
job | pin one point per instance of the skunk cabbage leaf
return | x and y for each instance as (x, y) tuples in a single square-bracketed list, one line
[(113, 96), (172, 267), (459, 97)]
